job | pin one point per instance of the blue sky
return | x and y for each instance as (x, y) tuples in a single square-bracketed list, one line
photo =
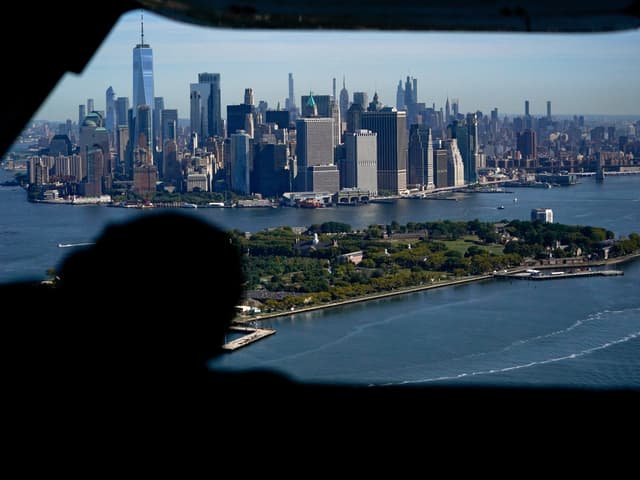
[(581, 73)]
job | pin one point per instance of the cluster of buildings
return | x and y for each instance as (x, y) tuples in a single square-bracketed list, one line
[(326, 145)]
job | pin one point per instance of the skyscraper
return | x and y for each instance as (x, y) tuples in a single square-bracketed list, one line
[(420, 160), (549, 109), (391, 127), (361, 98), (291, 101), (143, 151), (122, 111), (206, 116), (110, 109), (360, 165), (455, 167), (526, 108), (248, 96), (400, 103), (90, 105), (82, 112), (314, 145), (158, 106), (526, 144), (142, 73), (169, 125), (241, 162), (344, 101)]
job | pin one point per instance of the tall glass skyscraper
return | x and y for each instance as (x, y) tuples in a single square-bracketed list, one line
[(142, 74), (143, 93)]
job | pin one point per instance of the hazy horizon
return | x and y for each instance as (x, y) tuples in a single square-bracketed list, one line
[(584, 74)]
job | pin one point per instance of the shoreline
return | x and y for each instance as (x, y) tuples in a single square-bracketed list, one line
[(419, 288)]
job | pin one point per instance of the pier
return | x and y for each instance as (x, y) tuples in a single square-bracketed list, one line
[(252, 335), (556, 275)]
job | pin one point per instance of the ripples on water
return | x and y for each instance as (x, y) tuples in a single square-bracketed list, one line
[(580, 332)]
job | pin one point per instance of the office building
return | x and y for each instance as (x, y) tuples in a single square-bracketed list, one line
[(440, 171), (526, 145), (322, 178), (82, 112), (236, 117), (390, 125), (122, 111), (549, 109), (455, 166), (142, 75), (361, 98), (344, 100), (110, 109), (314, 146), (205, 106), (360, 166), (279, 117), (271, 173), (91, 107), (241, 162), (158, 106), (142, 140), (420, 160)]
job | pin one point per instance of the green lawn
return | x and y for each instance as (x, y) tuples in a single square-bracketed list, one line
[(465, 242)]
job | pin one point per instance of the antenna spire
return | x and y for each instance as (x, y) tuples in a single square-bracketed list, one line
[(141, 27)]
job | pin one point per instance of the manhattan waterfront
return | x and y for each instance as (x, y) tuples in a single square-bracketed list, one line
[(493, 332)]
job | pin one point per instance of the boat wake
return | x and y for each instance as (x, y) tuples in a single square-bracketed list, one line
[(70, 245), (574, 355)]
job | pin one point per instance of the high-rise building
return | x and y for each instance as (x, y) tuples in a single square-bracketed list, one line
[(410, 91), (549, 109), (447, 111), (526, 144), (323, 178), (279, 117), (142, 141), (91, 107), (241, 162), (354, 117), (362, 99), (142, 74), (360, 167), (323, 103), (526, 108), (344, 101), (291, 100), (333, 90), (60, 145), (82, 112), (420, 160), (391, 128), (248, 96), (455, 167), (314, 145), (236, 117), (271, 169), (122, 111), (169, 122), (455, 107), (110, 109), (158, 106), (440, 173), (400, 103), (206, 108)]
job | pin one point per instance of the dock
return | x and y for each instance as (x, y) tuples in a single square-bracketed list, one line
[(557, 275), (252, 335)]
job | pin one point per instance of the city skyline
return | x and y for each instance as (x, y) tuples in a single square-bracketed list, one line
[(583, 74)]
